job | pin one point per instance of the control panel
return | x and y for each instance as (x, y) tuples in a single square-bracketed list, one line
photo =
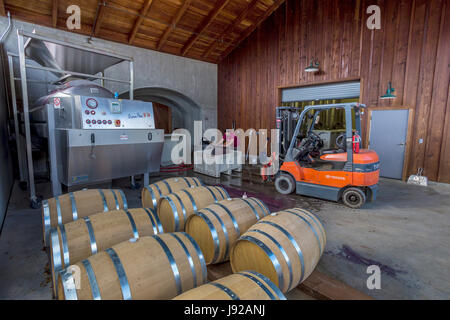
[(104, 113)]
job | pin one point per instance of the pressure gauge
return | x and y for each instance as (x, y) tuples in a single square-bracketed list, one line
[(92, 103)]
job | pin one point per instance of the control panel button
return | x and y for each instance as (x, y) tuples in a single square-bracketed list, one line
[(88, 121), (91, 103), (109, 122), (87, 112), (93, 112), (117, 123), (99, 121), (104, 121), (94, 121)]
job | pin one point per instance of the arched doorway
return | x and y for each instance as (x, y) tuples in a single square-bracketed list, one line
[(184, 111)]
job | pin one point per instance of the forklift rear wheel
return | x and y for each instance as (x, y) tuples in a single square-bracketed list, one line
[(354, 198), (285, 184)]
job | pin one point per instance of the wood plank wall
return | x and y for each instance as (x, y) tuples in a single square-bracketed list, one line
[(411, 50)]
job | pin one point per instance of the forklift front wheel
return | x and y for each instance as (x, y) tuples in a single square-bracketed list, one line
[(354, 198), (285, 184)]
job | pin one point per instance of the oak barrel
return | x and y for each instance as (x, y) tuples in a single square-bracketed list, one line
[(219, 225), (284, 246), (174, 209), (247, 285), (155, 267), (75, 205), (152, 193), (77, 240)]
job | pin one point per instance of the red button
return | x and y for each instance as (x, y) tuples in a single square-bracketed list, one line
[(104, 121), (92, 112), (88, 121), (117, 123), (94, 122)]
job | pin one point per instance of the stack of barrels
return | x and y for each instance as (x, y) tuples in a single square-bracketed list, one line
[(101, 249)]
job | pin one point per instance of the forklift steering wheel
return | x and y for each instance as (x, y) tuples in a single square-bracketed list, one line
[(341, 141)]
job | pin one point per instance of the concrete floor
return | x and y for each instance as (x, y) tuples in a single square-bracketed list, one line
[(406, 232)]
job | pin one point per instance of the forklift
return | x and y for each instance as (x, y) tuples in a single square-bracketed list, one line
[(343, 172)]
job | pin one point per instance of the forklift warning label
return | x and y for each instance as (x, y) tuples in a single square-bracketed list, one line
[(334, 177), (57, 103)]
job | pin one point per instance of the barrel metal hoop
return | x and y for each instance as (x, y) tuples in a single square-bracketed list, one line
[(70, 291), (105, 204), (251, 207), (293, 242), (173, 264), (115, 199), (236, 226), (167, 185), (74, 206), (310, 225), (262, 205), (269, 283), (200, 256), (271, 256), (283, 252), (58, 210), (188, 255), (150, 216), (225, 231), (213, 195), (152, 195), (222, 192), (159, 190), (197, 182), (213, 234), (175, 210), (316, 221), (125, 287), (227, 196), (92, 280), (47, 224), (187, 181), (192, 200), (260, 284), (228, 291), (92, 240), (56, 250), (64, 245), (124, 200), (133, 225)]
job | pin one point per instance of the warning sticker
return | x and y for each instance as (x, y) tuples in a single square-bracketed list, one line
[(57, 103)]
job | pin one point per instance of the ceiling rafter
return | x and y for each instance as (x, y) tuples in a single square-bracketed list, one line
[(173, 23), (2, 8), (231, 28), (54, 13), (252, 28), (206, 22), (144, 11)]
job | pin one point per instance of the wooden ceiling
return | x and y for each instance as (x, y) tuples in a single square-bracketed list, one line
[(206, 30)]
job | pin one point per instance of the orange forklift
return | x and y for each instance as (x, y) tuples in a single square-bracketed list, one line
[(343, 173)]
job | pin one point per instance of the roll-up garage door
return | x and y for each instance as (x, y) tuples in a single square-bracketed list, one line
[(341, 90)]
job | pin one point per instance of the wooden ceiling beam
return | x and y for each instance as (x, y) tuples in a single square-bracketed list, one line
[(252, 28), (173, 23), (100, 17), (231, 28), (2, 8), (143, 13), (55, 13), (206, 22)]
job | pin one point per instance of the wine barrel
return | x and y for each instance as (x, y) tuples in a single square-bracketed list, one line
[(174, 209), (217, 227), (284, 246), (77, 240), (74, 205), (156, 267), (152, 193), (247, 285)]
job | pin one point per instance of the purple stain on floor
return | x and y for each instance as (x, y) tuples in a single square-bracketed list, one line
[(273, 204), (351, 255)]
